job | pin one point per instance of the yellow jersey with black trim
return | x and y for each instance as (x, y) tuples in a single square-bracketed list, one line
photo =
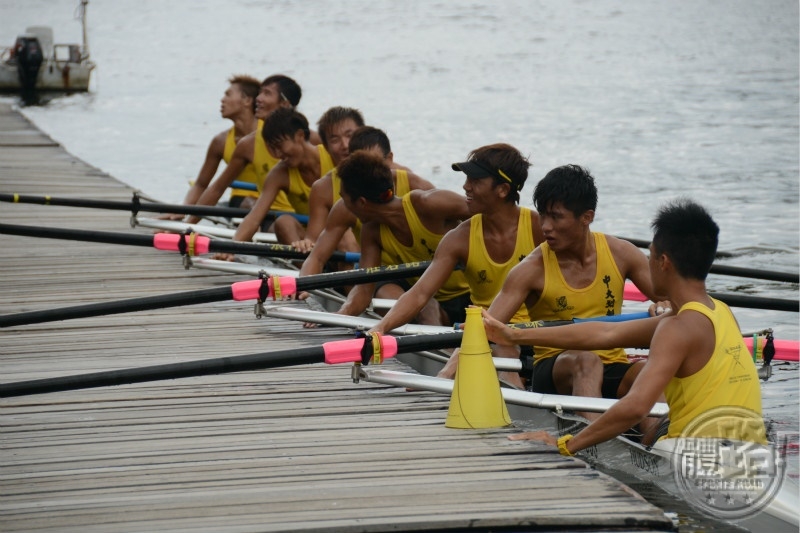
[(248, 175), (299, 190), (263, 162), (422, 249), (728, 383), (486, 276), (559, 301)]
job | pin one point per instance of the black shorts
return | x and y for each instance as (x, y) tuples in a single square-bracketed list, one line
[(456, 308), (543, 377), (236, 201)]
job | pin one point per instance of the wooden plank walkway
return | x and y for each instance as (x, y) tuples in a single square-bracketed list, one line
[(294, 449)]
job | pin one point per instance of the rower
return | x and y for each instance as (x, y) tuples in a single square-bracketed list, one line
[(248, 159), (342, 229), (497, 237), (575, 273), (698, 359), (401, 230)]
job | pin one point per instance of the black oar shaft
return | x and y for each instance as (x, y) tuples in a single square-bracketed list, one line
[(106, 237), (360, 276), (755, 273), (205, 367), (215, 245), (742, 272), (756, 302), (201, 296), (118, 306), (150, 207)]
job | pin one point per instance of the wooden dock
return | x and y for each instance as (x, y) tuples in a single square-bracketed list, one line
[(292, 449)]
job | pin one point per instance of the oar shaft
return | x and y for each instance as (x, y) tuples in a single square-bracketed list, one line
[(243, 290), (221, 365), (136, 207), (741, 272), (118, 306), (203, 367), (170, 242), (757, 302)]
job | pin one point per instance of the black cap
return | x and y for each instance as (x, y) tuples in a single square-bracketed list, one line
[(473, 169)]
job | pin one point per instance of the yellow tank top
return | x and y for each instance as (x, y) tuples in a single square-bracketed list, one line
[(247, 175), (559, 301), (485, 276), (422, 249), (299, 190), (263, 162), (729, 379)]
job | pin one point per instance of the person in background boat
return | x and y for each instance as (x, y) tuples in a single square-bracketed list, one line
[(342, 230), (698, 359), (574, 273), (401, 230), (301, 164), (336, 127), (497, 237), (251, 161), (238, 104)]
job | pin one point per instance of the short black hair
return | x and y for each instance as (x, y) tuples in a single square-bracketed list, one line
[(283, 123), (571, 185), (366, 175), (288, 88), (335, 115), (686, 233), (367, 137)]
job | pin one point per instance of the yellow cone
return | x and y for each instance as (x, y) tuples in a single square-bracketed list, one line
[(476, 401)]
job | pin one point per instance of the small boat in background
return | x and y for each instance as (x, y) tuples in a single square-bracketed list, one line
[(35, 63)]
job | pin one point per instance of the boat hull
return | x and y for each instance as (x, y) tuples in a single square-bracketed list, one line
[(619, 457), (59, 76)]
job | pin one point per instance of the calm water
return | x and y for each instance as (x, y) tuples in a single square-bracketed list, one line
[(658, 99)]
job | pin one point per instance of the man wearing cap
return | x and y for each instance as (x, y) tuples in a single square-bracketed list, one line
[(574, 273), (497, 237), (401, 230)]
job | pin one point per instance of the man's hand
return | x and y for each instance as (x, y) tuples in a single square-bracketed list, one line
[(541, 436), (224, 257), (660, 308), (496, 331), (303, 245)]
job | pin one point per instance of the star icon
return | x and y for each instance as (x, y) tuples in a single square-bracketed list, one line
[(709, 499), (747, 499), (729, 499)]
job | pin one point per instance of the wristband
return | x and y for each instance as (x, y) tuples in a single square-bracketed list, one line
[(562, 445)]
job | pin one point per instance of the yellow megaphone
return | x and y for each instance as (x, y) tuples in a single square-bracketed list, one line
[(476, 401)]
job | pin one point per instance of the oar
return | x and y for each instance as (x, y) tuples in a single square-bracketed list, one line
[(136, 205), (725, 270), (201, 229), (734, 300), (191, 244), (259, 289), (336, 352)]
